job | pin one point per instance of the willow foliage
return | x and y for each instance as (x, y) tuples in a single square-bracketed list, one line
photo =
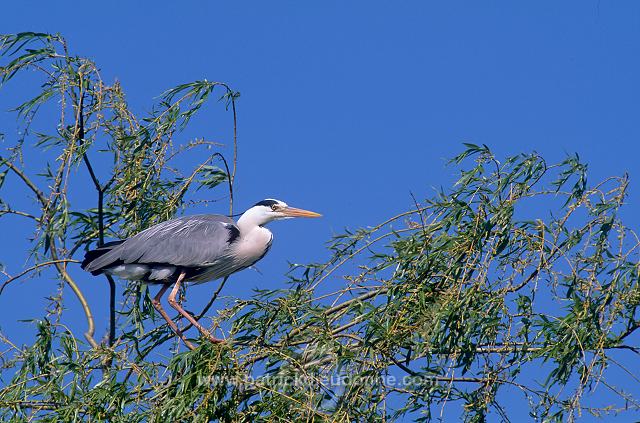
[(512, 293)]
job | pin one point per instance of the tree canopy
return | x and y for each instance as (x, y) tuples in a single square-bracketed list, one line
[(515, 287)]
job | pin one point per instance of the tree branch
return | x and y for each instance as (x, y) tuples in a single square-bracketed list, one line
[(80, 137), (54, 255), (32, 268)]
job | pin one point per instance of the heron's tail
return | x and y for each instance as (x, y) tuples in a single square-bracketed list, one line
[(94, 254)]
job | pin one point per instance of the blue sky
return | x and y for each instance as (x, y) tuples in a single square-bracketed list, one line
[(347, 107)]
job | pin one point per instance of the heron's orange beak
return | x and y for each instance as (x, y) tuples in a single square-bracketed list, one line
[(293, 212)]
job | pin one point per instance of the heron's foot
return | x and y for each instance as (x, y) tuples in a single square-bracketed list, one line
[(212, 338)]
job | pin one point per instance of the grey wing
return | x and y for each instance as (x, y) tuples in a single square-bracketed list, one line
[(188, 241)]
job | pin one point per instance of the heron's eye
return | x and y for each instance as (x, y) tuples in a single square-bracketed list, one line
[(274, 207)]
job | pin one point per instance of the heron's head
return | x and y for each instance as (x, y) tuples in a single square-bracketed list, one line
[(269, 210)]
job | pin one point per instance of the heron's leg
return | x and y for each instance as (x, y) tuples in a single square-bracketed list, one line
[(173, 303), (209, 304), (158, 306)]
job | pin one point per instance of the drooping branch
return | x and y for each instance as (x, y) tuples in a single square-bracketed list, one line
[(80, 138), (31, 269), (54, 254)]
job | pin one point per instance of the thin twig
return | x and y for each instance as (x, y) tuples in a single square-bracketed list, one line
[(32, 268), (208, 306), (100, 190), (54, 255)]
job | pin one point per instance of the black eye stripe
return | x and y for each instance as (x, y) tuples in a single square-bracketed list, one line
[(268, 203)]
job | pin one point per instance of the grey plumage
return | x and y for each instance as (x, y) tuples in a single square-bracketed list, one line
[(198, 243), (196, 248)]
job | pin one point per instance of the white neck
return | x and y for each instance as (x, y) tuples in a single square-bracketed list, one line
[(252, 219), (254, 239)]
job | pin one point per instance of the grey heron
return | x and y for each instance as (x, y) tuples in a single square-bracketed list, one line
[(195, 248)]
